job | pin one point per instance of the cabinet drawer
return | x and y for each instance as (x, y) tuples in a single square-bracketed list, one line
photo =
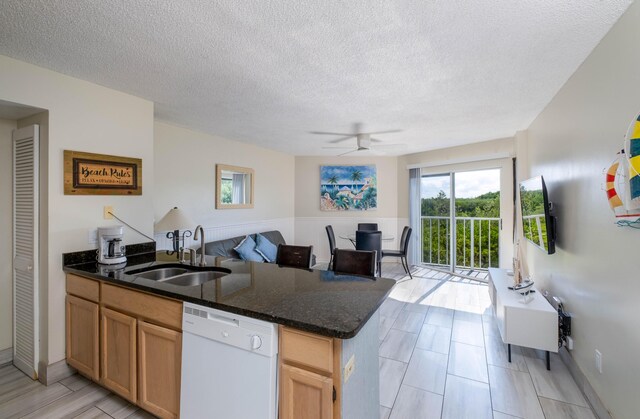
[(306, 349), (88, 289), (156, 309)]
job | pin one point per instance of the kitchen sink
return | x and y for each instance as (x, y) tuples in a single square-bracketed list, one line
[(179, 274), (193, 278), (164, 273)]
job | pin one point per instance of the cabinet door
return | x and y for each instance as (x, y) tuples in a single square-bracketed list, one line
[(160, 359), (82, 336), (118, 353), (304, 394)]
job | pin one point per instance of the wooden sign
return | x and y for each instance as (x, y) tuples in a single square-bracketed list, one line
[(101, 174)]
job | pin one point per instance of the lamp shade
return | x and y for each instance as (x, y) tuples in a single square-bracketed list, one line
[(175, 219)]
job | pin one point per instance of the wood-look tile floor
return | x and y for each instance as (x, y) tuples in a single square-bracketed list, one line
[(441, 356), (73, 397)]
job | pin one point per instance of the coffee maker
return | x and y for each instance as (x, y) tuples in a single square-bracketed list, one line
[(111, 249)]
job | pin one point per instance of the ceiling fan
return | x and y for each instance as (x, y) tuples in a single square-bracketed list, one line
[(363, 141)]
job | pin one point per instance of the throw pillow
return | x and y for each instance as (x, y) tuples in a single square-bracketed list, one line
[(246, 250), (267, 249)]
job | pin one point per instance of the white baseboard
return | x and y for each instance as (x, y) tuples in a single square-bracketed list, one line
[(6, 356), (584, 385), (49, 374)]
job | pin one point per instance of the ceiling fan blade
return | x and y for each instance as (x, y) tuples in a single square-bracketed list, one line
[(391, 146), (348, 152), (337, 148), (339, 140), (330, 133), (391, 131)]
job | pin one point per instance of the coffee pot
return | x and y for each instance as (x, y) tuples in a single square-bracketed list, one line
[(111, 249)]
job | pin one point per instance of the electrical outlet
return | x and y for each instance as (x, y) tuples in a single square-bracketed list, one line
[(107, 210), (92, 236), (349, 368), (599, 361)]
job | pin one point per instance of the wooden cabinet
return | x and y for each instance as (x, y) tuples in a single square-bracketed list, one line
[(309, 375), (128, 340), (159, 360), (305, 394), (118, 353), (82, 336)]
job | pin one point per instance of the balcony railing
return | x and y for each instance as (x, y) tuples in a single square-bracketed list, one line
[(477, 243)]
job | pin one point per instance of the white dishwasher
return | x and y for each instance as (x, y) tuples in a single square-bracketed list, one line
[(229, 365)]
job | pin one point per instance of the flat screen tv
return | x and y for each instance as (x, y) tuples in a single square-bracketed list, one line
[(538, 225)]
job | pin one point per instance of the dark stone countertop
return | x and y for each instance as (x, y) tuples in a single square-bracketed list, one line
[(315, 301)]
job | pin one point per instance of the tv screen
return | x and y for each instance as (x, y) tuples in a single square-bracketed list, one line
[(538, 226)]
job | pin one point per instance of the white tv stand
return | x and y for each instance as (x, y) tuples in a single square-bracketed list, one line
[(533, 325)]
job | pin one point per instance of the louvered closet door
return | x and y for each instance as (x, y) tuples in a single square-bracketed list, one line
[(25, 249)]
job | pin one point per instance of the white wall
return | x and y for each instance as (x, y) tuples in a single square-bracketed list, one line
[(185, 169), (83, 117), (311, 221), (595, 268), (6, 226)]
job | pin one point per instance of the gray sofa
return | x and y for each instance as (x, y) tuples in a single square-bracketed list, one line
[(225, 247)]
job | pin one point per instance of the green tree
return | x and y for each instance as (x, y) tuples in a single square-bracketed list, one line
[(225, 191), (485, 233), (334, 181)]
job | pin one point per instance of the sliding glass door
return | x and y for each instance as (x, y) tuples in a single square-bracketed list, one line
[(463, 217), (435, 210)]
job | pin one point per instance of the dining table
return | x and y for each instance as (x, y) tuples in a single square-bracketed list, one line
[(352, 238)]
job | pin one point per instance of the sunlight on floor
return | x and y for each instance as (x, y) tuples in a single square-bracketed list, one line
[(439, 289)]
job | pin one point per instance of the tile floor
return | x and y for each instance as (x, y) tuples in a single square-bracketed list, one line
[(441, 356)]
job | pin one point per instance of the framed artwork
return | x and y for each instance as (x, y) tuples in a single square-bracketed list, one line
[(348, 188), (101, 174)]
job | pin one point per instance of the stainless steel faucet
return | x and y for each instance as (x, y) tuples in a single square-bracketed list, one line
[(192, 257), (195, 237)]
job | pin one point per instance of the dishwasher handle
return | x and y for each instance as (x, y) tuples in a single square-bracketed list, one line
[(230, 321)]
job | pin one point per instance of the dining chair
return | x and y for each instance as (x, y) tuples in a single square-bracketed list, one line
[(402, 252), (370, 240), (354, 262), (368, 226), (294, 256), (332, 243)]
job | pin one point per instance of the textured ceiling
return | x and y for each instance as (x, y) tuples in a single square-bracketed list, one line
[(446, 72)]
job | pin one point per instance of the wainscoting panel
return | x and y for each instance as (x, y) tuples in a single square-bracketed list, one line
[(284, 225)]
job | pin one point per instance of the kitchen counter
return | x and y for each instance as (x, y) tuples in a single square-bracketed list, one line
[(315, 301)]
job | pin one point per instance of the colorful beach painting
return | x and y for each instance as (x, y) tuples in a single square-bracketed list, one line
[(348, 188)]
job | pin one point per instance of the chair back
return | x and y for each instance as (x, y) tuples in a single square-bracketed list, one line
[(369, 240), (368, 226), (354, 262), (332, 238), (404, 239), (294, 256)]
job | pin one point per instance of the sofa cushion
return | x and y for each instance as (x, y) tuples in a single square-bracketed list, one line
[(225, 247), (267, 249), (247, 250)]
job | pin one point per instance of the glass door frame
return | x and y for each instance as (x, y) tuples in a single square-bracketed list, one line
[(507, 208)]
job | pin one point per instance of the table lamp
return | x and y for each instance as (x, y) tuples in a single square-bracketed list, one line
[(174, 221)]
